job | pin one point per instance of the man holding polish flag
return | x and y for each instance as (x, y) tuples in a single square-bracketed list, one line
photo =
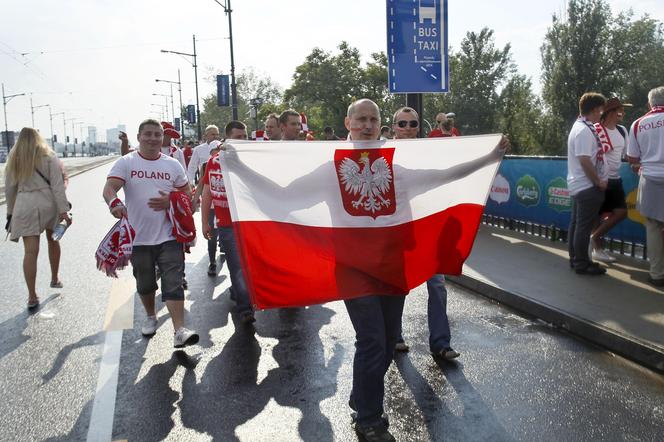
[(360, 220)]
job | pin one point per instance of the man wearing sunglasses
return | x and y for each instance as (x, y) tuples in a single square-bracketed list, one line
[(406, 123)]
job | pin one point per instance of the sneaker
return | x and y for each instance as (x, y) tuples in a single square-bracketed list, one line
[(184, 337), (149, 326), (248, 318), (602, 256), (212, 269), (447, 353), (401, 346), (591, 269), (374, 433)]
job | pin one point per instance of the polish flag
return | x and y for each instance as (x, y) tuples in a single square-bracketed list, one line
[(329, 220)]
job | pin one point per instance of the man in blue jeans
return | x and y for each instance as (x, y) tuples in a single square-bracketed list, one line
[(405, 125), (214, 193), (375, 318)]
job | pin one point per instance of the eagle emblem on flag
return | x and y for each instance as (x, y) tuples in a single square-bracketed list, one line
[(366, 181)]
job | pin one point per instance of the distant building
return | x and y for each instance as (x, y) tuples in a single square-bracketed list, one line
[(112, 137), (92, 135)]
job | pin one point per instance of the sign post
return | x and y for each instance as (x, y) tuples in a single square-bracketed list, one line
[(417, 53)]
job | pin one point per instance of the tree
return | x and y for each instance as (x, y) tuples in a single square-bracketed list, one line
[(591, 50), (519, 116), (250, 84), (477, 72)]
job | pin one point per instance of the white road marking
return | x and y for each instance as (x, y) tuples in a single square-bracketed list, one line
[(103, 408), (119, 316)]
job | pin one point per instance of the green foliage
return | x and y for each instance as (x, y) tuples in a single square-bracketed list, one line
[(250, 84), (593, 50)]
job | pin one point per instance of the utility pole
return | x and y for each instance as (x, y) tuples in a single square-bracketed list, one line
[(32, 111), (5, 100), (195, 65), (172, 108), (229, 11)]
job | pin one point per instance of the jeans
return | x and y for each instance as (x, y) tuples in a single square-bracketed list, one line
[(227, 239), (214, 237), (439, 325), (585, 209), (170, 259), (377, 322)]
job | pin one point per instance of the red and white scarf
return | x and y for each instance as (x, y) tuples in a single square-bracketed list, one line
[(115, 249), (604, 139), (180, 214)]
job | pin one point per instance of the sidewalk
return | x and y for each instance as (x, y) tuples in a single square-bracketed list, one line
[(73, 166), (619, 311)]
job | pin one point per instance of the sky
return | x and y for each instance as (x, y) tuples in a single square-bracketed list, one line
[(97, 60)]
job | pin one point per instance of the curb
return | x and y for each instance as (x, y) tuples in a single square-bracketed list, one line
[(624, 345), (72, 174)]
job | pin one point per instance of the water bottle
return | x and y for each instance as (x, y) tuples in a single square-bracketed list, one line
[(60, 229)]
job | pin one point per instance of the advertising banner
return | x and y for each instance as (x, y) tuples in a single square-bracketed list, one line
[(535, 190)]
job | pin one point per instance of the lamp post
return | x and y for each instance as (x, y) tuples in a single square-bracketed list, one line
[(198, 107), (227, 9), (181, 128), (5, 100), (32, 111), (80, 129), (52, 134), (162, 109), (165, 101)]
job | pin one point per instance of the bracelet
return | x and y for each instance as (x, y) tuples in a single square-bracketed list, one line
[(115, 203)]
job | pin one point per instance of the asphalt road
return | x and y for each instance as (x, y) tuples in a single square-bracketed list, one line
[(288, 377)]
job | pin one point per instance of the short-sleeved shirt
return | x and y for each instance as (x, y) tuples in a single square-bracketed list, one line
[(214, 178), (175, 152), (613, 158), (143, 179), (582, 143), (646, 141)]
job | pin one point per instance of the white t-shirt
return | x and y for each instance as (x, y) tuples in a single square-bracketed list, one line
[(143, 179), (175, 152), (581, 142), (646, 141), (613, 158), (199, 156)]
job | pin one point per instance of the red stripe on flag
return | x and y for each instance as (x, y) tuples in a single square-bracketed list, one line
[(288, 265)]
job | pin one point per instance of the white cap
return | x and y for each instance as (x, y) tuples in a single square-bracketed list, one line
[(451, 115)]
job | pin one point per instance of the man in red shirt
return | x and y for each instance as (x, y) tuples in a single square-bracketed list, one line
[(443, 127), (214, 193)]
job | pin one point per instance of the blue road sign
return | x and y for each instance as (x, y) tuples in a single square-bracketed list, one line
[(191, 113), (223, 91), (417, 46)]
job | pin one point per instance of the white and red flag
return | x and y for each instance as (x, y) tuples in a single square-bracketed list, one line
[(330, 220)]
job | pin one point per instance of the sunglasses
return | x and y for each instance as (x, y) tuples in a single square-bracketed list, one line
[(411, 123)]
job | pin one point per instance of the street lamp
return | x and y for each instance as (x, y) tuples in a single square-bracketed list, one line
[(32, 111), (198, 107), (227, 9), (166, 101), (72, 132), (5, 100), (181, 128), (162, 109), (52, 134)]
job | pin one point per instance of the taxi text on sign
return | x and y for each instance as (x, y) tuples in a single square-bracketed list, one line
[(417, 46)]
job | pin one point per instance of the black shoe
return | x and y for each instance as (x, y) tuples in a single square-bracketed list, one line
[(374, 433), (656, 282), (447, 354), (212, 269), (591, 269)]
